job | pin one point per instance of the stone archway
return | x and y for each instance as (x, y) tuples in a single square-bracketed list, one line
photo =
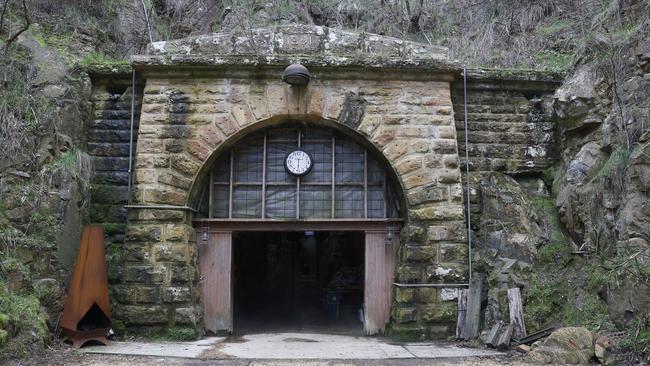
[(360, 200), (191, 112)]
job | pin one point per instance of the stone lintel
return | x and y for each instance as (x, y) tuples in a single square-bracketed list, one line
[(509, 79), (340, 67)]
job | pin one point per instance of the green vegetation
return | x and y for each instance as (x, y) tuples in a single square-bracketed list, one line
[(176, 333), (618, 159), (94, 58), (638, 337), (25, 321), (554, 61)]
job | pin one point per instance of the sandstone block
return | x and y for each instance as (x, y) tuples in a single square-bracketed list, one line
[(185, 165), (449, 252), (447, 272), (405, 314), (211, 134), (226, 123), (174, 180), (440, 213), (143, 233), (427, 194), (419, 253), (427, 295), (176, 294), (164, 196), (187, 315), (409, 164), (168, 252), (409, 273), (155, 215), (442, 312), (147, 294), (404, 295), (145, 274), (142, 314)]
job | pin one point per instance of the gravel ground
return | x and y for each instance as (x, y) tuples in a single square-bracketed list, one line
[(63, 355)]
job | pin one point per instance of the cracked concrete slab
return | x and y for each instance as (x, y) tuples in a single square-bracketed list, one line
[(292, 346), (160, 349)]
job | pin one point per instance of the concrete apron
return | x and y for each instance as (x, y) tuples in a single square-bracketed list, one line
[(291, 346)]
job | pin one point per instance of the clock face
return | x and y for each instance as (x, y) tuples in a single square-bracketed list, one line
[(298, 163)]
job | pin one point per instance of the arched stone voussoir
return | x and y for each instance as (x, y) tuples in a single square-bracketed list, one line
[(312, 119)]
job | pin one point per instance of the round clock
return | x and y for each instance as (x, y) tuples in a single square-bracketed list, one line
[(298, 163)]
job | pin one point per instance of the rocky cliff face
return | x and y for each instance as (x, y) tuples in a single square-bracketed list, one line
[(576, 238), (584, 224)]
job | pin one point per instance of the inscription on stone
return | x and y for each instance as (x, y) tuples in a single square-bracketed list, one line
[(298, 42)]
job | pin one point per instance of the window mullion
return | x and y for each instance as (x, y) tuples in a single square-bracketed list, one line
[(232, 158), (210, 196), (264, 178), (333, 174), (385, 188), (365, 183), (298, 184)]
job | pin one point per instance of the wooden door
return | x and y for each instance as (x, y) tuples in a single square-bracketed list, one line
[(215, 260), (379, 277)]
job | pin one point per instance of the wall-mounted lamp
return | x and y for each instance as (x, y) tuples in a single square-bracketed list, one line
[(204, 234), (296, 74), (390, 234)]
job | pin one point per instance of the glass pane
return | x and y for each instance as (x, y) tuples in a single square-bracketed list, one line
[(275, 156), (321, 154), (248, 161), (221, 172), (203, 202), (317, 134), (375, 201), (220, 201), (283, 134), (375, 173), (392, 203), (315, 202), (349, 162), (349, 202), (247, 202), (281, 202)]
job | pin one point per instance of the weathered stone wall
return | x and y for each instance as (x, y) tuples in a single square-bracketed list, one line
[(510, 126), (185, 122), (204, 93), (108, 145)]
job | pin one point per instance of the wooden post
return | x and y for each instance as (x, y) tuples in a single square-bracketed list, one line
[(216, 292), (516, 313), (462, 313), (473, 315), (380, 267), (504, 338)]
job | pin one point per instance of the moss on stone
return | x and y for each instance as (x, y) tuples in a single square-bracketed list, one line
[(163, 333)]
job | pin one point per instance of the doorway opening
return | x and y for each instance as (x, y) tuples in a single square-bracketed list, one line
[(298, 282)]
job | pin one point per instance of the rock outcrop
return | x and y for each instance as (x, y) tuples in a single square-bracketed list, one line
[(565, 346)]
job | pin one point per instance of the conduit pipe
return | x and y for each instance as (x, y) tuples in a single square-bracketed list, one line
[(131, 134), (469, 217)]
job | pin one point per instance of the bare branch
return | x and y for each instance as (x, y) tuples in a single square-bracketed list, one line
[(13, 38)]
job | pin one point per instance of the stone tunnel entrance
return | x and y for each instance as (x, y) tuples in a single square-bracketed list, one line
[(377, 105), (310, 250)]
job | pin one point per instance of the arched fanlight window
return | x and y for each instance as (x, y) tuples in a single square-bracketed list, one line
[(252, 180)]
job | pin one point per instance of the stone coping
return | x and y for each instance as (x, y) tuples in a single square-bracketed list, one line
[(298, 39), (142, 62)]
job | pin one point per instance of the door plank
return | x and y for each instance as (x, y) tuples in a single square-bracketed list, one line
[(215, 259), (379, 275)]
